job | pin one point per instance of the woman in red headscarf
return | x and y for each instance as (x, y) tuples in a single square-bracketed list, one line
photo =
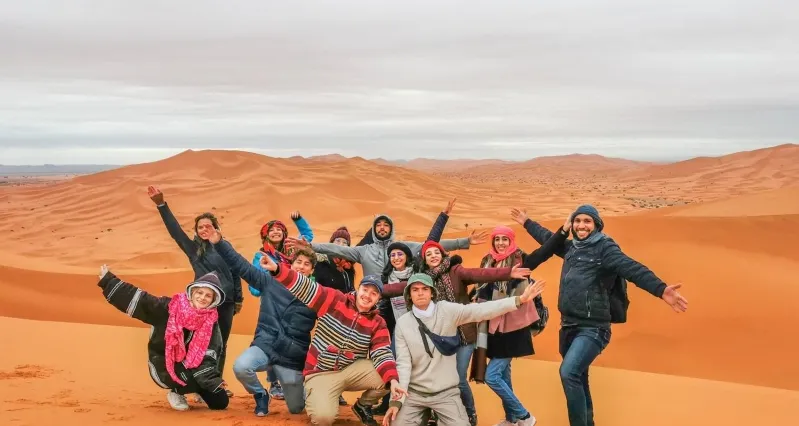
[(510, 335)]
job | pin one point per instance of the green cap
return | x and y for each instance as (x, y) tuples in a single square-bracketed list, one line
[(418, 278)]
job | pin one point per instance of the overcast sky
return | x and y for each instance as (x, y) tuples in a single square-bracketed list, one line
[(121, 82)]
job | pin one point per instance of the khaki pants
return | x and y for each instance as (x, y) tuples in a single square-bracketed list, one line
[(446, 404), (323, 389)]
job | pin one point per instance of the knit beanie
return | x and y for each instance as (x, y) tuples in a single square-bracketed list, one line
[(431, 243), (341, 232), (590, 211), (211, 281), (400, 246)]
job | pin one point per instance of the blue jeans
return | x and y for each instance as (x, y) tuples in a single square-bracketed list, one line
[(579, 347), (498, 379), (463, 356), (254, 360)]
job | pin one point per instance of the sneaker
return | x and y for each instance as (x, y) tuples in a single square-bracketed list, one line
[(364, 413), (472, 419), (276, 391), (177, 401), (529, 421), (433, 419), (261, 404), (505, 423), (341, 401)]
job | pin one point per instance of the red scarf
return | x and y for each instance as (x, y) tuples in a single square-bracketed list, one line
[(503, 230), (270, 250), (182, 315), (342, 264)]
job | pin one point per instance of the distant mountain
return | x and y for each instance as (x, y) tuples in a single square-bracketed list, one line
[(53, 169)]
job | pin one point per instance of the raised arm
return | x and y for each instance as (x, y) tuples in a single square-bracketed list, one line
[(540, 234), (319, 298), (302, 225), (172, 226), (554, 243), (133, 301), (441, 222), (255, 277)]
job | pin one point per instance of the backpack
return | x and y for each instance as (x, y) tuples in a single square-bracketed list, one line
[(543, 313), (616, 287)]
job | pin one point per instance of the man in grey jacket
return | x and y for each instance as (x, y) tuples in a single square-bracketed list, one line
[(373, 257)]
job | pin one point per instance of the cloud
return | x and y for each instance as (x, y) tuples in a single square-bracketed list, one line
[(438, 79)]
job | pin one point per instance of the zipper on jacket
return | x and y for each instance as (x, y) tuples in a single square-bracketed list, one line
[(347, 339), (588, 302)]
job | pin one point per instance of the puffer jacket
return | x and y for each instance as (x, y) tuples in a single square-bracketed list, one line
[(373, 257), (284, 325), (153, 310), (582, 299)]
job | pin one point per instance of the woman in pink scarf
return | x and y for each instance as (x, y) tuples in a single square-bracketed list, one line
[(185, 341), (510, 335)]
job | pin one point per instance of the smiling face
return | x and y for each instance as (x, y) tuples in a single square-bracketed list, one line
[(275, 235), (421, 295), (382, 228), (205, 228), (366, 297), (202, 297), (303, 265), (583, 225), (340, 241), (432, 257), (398, 259), (501, 243)]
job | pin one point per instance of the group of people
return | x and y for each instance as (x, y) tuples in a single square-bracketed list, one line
[(411, 336)]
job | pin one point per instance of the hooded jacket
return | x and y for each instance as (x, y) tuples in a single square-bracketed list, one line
[(284, 325), (344, 334), (373, 256), (152, 310)]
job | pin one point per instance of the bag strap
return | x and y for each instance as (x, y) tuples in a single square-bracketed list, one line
[(424, 332)]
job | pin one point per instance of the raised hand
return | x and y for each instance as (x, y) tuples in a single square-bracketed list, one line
[(238, 307), (391, 415), (519, 273), (480, 238), (674, 298), (103, 271), (450, 205), (295, 215), (156, 195), (519, 216), (215, 235), (532, 291), (267, 263), (567, 226), (292, 243)]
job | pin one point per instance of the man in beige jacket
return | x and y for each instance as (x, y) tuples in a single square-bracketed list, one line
[(426, 340)]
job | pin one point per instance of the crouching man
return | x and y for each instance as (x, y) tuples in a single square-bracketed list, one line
[(426, 342)]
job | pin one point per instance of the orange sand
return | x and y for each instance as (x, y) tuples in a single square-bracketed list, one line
[(733, 252)]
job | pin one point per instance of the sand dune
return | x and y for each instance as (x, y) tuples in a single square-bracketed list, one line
[(726, 237)]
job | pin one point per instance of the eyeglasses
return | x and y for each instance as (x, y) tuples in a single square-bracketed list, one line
[(397, 254)]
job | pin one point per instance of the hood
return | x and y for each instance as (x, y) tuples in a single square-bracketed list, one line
[(209, 280), (391, 222)]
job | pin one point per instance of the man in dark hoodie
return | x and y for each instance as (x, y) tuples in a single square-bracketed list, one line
[(583, 299)]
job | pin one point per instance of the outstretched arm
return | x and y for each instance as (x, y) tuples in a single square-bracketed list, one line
[(350, 253), (488, 275), (540, 234), (133, 301), (394, 290), (172, 226), (256, 278), (319, 298), (302, 226), (613, 259), (543, 253), (476, 312)]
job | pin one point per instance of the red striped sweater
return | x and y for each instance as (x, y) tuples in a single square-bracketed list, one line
[(343, 335)]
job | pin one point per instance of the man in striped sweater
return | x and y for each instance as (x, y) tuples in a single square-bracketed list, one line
[(350, 349)]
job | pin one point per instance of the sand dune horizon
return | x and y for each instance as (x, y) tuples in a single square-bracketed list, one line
[(722, 227)]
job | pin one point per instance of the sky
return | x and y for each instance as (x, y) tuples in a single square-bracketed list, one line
[(121, 82)]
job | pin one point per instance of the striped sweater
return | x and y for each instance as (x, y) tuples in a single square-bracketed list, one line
[(343, 335)]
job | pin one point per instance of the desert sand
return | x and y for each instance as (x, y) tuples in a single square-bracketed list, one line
[(723, 227)]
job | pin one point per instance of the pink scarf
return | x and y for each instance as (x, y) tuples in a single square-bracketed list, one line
[(503, 230), (182, 315)]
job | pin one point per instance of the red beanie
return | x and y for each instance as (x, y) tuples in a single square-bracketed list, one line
[(341, 232), (430, 243)]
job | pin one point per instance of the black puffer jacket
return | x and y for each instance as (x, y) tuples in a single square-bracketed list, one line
[(139, 304), (582, 299), (328, 275)]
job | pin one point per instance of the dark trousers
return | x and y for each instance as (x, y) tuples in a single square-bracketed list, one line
[(579, 347), (226, 312), (214, 399)]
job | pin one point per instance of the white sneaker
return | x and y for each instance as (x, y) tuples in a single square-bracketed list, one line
[(530, 421), (505, 423), (177, 401)]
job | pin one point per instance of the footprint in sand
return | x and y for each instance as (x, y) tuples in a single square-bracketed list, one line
[(27, 371), (82, 410)]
